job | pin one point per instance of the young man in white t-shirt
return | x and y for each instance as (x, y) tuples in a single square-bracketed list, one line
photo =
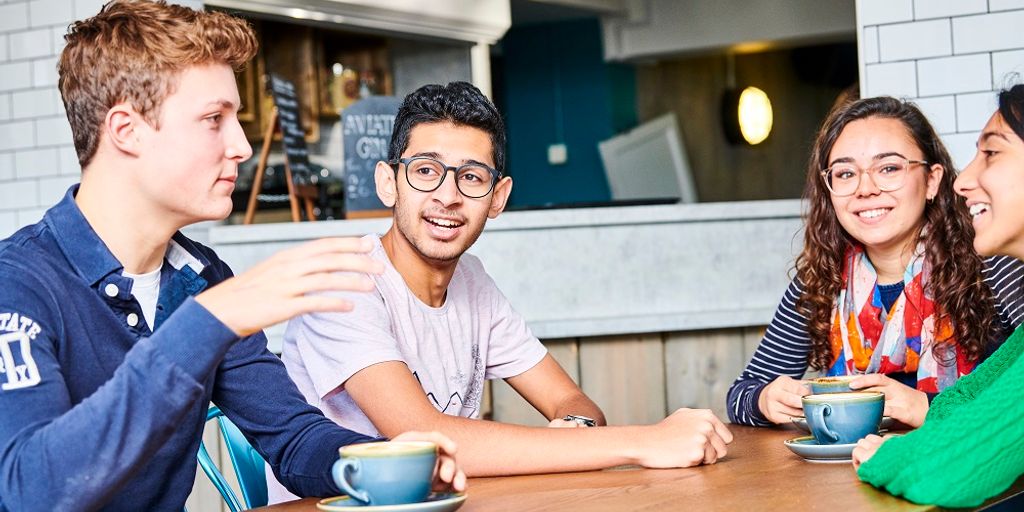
[(417, 354)]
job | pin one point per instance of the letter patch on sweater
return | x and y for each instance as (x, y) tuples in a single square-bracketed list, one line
[(17, 368)]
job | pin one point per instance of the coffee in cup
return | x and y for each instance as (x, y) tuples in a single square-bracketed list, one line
[(386, 473), (843, 418), (835, 384)]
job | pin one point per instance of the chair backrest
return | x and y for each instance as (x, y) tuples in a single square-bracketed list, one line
[(246, 461)]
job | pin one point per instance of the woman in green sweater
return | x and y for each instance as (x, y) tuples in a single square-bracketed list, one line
[(971, 446)]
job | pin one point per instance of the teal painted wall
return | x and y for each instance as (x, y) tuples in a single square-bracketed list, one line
[(556, 88)]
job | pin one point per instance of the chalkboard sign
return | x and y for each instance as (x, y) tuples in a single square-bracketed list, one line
[(366, 131), (293, 136)]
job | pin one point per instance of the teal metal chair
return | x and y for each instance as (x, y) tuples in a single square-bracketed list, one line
[(247, 462)]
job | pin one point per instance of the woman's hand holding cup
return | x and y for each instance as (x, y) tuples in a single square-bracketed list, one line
[(780, 399), (902, 403)]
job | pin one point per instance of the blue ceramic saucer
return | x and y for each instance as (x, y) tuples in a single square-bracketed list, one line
[(801, 423), (811, 451), (436, 502)]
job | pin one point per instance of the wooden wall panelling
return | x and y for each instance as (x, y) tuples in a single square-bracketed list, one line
[(625, 375), (700, 366), (751, 339), (509, 407)]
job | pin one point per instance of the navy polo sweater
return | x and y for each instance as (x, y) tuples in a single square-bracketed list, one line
[(98, 412)]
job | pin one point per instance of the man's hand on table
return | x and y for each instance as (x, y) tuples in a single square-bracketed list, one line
[(447, 475), (687, 437)]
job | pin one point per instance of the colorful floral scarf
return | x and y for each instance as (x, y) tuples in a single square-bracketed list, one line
[(867, 340)]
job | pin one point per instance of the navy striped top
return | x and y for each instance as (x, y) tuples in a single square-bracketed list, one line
[(786, 344)]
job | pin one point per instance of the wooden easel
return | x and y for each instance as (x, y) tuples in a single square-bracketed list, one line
[(308, 193)]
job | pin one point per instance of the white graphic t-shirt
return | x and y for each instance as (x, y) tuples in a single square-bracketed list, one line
[(450, 350)]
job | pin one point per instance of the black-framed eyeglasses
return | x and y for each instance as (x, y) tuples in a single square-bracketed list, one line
[(889, 174), (426, 175)]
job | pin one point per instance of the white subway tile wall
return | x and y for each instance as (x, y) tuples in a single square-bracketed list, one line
[(57, 36), (36, 163), (35, 138), (894, 78), (53, 131), (8, 222), (15, 75), (1007, 68), (6, 166), (951, 75), (30, 216), (30, 44), (52, 190), (1005, 5), (86, 8), (34, 103), (17, 135), (924, 9), (941, 111), (989, 32), (973, 110), (5, 106), (870, 53), (962, 146), (877, 12), (68, 161), (915, 40), (948, 56), (20, 195), (44, 13), (14, 16)]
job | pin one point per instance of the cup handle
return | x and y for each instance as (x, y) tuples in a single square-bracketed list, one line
[(819, 419), (340, 474)]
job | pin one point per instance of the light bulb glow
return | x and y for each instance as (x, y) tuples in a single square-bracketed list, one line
[(755, 115)]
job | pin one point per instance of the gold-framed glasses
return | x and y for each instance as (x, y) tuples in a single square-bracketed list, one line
[(888, 174)]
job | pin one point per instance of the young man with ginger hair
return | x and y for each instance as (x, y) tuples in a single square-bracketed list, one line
[(116, 331)]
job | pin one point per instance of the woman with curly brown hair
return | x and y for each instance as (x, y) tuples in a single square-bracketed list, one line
[(887, 286)]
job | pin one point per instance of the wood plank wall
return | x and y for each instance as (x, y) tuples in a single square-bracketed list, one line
[(640, 379), (635, 379)]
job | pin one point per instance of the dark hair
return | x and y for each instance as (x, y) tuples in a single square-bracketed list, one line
[(955, 283), (459, 103), (1011, 108)]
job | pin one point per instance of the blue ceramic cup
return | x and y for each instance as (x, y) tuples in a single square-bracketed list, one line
[(843, 418), (836, 384), (389, 473)]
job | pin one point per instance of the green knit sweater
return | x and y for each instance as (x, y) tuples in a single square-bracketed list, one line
[(971, 446)]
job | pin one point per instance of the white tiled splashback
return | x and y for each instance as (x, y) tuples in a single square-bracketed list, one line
[(948, 56)]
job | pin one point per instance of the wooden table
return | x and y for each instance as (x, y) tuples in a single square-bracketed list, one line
[(758, 474)]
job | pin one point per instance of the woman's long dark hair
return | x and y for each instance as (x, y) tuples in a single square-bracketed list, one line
[(955, 283), (1011, 107)]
